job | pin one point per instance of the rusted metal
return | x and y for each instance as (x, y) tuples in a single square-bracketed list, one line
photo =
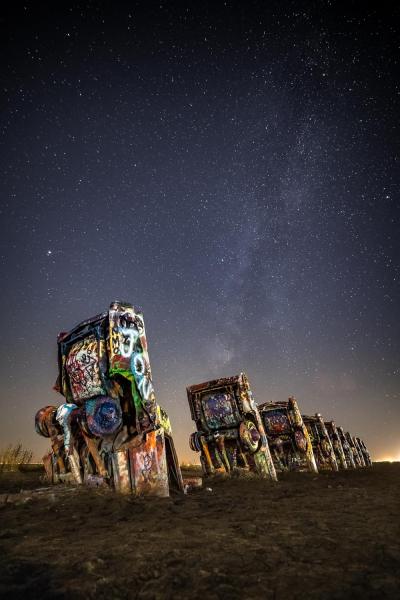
[(336, 443), (321, 442), (365, 452), (110, 427), (357, 456), (288, 437), (230, 434)]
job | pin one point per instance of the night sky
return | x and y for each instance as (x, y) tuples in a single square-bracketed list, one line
[(230, 168)]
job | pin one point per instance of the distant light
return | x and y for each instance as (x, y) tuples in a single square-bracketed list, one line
[(390, 459), (49, 252)]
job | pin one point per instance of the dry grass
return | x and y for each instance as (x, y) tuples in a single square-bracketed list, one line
[(13, 456)]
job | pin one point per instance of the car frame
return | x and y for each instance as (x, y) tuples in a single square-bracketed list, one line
[(336, 443), (321, 442), (358, 459), (289, 441), (365, 452), (347, 449), (110, 428), (230, 435)]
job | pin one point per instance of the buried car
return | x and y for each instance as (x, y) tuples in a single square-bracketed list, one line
[(110, 429), (347, 449), (365, 452), (336, 443), (321, 442), (357, 455), (359, 451), (288, 438), (230, 434)]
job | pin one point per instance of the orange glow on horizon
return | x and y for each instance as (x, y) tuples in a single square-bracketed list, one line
[(390, 459)]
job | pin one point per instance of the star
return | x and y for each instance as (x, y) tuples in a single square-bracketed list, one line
[(231, 187)]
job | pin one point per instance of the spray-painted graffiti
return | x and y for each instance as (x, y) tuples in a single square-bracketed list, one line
[(346, 449), (365, 452), (357, 456), (148, 468), (289, 441), (110, 428), (230, 435), (131, 328), (103, 416), (321, 442), (129, 357), (141, 370), (128, 341), (336, 443), (276, 422), (218, 410), (82, 368)]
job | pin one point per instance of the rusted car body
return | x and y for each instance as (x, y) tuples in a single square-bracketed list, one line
[(230, 435), (321, 443), (289, 441), (336, 443), (365, 452), (359, 450), (348, 452), (110, 429), (357, 456)]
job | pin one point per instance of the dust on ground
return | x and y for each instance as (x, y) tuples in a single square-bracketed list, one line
[(335, 535)]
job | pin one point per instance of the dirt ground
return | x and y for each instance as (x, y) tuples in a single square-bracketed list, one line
[(336, 535)]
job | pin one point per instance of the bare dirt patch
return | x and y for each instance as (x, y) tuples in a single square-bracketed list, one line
[(336, 535)]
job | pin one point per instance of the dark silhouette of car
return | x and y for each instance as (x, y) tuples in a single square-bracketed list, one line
[(230, 435), (288, 438)]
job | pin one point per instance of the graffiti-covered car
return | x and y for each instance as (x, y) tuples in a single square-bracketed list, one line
[(288, 438), (230, 435), (348, 452), (109, 429), (359, 450), (365, 452), (321, 442), (336, 443), (357, 456)]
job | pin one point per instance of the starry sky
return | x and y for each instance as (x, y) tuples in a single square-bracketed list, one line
[(230, 168)]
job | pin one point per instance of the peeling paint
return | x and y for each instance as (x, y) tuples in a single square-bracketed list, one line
[(110, 428)]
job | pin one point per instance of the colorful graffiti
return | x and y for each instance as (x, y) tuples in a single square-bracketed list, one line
[(365, 452), (82, 368), (336, 444), (129, 358), (357, 456), (288, 437), (321, 443), (110, 429), (219, 410), (230, 434), (276, 422), (348, 453)]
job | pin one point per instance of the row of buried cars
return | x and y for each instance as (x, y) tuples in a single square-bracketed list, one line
[(234, 433), (111, 431)]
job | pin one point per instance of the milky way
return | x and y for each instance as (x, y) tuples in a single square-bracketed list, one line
[(233, 170)]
